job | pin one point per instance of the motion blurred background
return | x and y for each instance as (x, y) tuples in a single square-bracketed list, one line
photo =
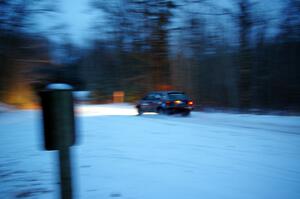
[(234, 54)]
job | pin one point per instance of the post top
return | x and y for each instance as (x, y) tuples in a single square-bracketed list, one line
[(59, 86)]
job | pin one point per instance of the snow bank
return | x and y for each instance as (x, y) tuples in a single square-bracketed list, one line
[(5, 107)]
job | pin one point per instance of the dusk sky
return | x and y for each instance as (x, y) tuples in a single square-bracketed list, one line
[(77, 17)]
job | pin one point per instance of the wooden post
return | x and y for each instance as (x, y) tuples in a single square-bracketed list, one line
[(65, 173)]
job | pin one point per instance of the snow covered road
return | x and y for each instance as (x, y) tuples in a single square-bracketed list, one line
[(207, 155)]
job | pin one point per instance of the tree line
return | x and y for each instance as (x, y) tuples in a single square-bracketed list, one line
[(239, 56)]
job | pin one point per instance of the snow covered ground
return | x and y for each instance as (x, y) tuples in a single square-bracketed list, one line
[(120, 155), (5, 107)]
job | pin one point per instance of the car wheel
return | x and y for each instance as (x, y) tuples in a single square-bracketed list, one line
[(168, 112), (185, 113), (140, 111), (160, 111)]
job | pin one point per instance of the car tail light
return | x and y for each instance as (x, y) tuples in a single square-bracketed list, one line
[(190, 103), (168, 103), (177, 102)]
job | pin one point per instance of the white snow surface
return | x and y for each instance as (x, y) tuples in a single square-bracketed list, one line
[(121, 155)]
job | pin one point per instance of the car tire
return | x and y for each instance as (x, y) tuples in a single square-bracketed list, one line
[(160, 111), (140, 111), (186, 113), (168, 112)]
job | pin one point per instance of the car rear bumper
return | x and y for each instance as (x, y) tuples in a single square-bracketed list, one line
[(185, 108)]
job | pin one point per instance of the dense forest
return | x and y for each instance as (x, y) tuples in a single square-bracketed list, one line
[(239, 56)]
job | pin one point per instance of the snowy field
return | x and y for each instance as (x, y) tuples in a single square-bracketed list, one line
[(120, 155)]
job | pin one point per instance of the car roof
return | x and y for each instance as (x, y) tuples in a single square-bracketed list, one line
[(167, 92)]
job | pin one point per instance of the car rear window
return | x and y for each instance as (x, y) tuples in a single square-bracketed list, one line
[(177, 96), (153, 96)]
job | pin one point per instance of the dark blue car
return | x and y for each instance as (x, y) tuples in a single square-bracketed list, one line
[(166, 102)]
